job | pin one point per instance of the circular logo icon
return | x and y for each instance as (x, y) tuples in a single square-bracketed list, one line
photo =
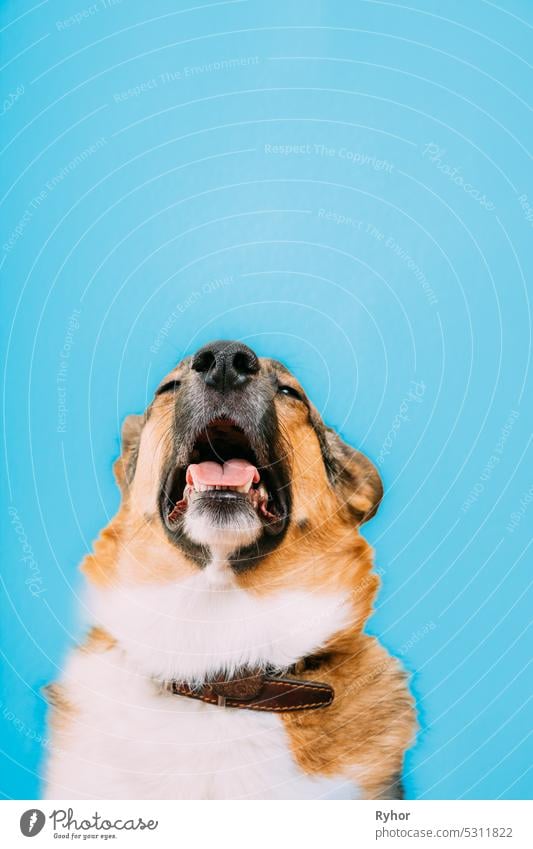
[(32, 822)]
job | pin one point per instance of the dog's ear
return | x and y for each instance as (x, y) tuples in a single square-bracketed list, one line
[(354, 478), (124, 467)]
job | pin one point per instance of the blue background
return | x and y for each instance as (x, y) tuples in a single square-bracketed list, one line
[(342, 186)]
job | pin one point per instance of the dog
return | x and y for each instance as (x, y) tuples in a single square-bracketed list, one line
[(227, 599)]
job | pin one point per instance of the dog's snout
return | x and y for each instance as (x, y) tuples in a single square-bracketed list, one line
[(225, 365)]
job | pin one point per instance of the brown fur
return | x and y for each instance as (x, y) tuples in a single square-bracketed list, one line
[(62, 709), (334, 489), (97, 640), (370, 722)]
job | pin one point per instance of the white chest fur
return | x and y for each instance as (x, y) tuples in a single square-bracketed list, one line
[(201, 626), (132, 740)]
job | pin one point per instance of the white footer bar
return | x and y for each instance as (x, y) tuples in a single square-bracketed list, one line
[(267, 825)]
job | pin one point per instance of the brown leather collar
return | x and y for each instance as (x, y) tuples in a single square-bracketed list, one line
[(256, 690)]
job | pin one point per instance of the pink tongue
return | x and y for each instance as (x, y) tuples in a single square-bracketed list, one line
[(231, 473)]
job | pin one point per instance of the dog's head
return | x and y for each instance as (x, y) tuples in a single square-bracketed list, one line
[(231, 456)]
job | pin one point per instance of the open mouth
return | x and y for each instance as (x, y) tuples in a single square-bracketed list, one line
[(224, 470)]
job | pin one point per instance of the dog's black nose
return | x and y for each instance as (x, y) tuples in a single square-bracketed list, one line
[(225, 365)]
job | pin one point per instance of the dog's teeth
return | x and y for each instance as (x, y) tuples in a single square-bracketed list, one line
[(200, 487)]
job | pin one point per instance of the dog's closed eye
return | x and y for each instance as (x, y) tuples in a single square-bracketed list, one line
[(171, 386), (290, 392)]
